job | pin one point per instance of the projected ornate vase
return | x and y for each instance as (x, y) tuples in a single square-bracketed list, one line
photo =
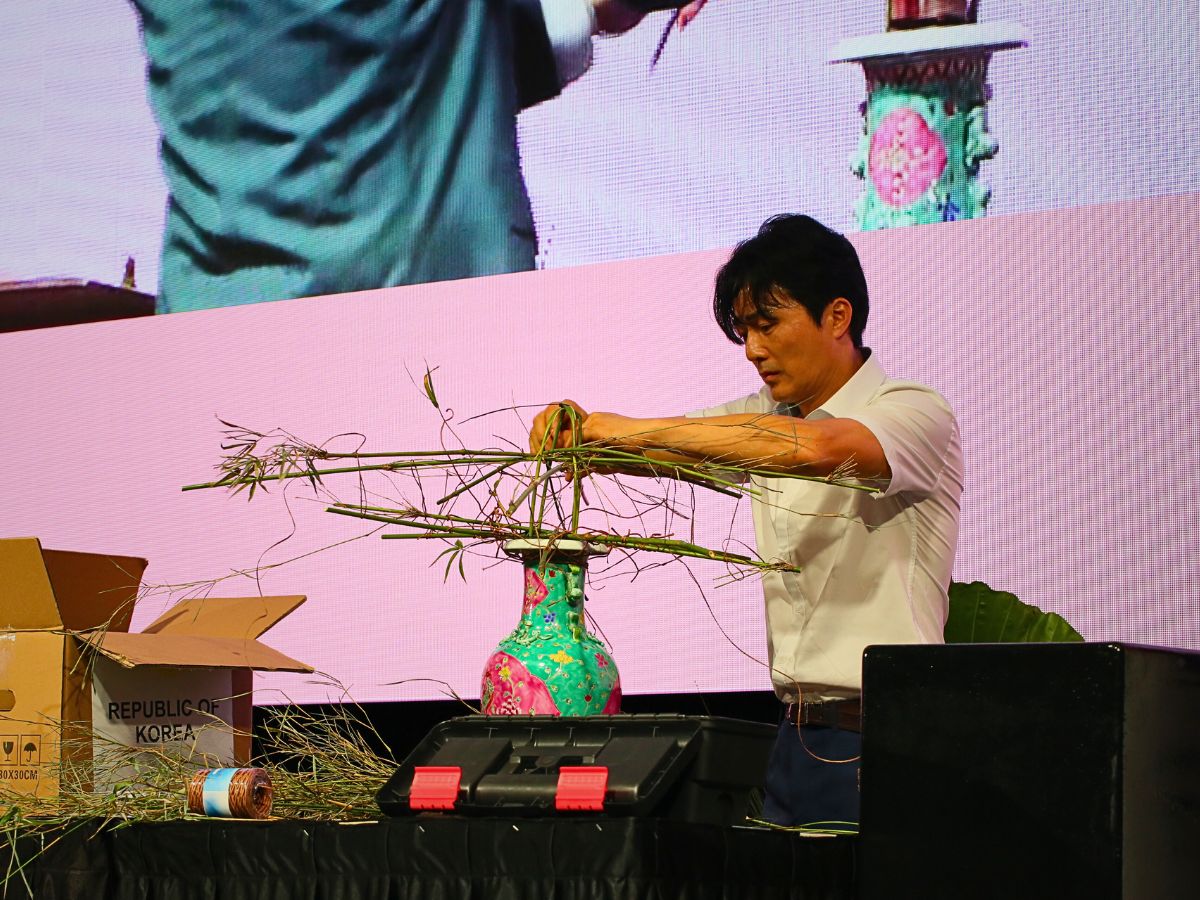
[(925, 118), (551, 664)]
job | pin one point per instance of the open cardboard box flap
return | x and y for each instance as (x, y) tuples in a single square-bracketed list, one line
[(234, 617), (93, 594), (52, 589), (191, 651), (206, 632)]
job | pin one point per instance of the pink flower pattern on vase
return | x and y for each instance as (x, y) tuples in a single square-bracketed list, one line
[(613, 706), (535, 591), (509, 689), (906, 158)]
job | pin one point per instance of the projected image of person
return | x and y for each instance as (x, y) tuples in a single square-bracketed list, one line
[(318, 148), (874, 566)]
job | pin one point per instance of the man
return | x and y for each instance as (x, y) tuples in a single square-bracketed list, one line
[(325, 147), (875, 567)]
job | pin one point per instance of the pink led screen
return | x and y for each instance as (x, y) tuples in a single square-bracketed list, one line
[(1065, 339), (1061, 328)]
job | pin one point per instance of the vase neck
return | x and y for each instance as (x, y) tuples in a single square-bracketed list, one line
[(554, 594)]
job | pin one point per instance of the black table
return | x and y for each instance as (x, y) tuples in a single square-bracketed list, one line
[(437, 858)]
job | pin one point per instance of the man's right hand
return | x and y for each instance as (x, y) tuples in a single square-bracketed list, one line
[(618, 16), (615, 17), (556, 427)]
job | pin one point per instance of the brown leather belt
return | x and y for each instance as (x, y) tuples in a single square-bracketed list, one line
[(843, 714)]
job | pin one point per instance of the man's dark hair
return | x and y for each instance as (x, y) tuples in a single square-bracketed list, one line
[(792, 258)]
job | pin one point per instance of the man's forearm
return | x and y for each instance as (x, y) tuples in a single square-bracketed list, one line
[(772, 442)]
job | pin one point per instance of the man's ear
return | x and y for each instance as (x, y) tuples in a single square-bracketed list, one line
[(837, 316)]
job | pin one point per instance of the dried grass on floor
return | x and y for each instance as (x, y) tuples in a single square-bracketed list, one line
[(323, 766)]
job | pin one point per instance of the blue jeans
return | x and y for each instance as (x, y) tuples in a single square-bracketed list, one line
[(800, 789)]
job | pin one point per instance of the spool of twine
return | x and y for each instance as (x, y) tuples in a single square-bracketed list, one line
[(230, 793)]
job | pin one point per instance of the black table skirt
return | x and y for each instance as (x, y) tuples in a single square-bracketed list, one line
[(436, 858)]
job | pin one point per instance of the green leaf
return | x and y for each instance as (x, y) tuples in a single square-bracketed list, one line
[(454, 553), (980, 615), (427, 383)]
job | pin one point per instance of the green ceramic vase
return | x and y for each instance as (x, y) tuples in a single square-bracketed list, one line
[(551, 664)]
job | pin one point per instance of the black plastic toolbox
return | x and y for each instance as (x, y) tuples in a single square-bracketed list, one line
[(686, 768)]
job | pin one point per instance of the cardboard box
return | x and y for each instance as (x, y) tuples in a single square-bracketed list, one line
[(69, 666)]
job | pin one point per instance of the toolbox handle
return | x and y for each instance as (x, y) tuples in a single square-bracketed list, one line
[(581, 787), (434, 787)]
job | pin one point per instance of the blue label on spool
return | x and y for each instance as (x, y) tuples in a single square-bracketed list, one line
[(216, 792)]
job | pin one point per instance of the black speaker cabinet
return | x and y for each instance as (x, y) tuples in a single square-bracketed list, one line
[(1029, 771)]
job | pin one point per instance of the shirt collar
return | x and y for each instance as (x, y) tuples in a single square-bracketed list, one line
[(855, 393)]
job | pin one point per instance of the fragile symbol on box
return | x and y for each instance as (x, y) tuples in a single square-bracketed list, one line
[(20, 758)]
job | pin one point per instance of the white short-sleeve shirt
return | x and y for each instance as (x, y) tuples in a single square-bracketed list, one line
[(875, 567)]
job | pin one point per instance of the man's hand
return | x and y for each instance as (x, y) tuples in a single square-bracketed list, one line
[(609, 429), (557, 426), (615, 17), (689, 12), (567, 424)]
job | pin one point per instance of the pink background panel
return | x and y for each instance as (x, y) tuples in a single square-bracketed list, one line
[(1066, 340)]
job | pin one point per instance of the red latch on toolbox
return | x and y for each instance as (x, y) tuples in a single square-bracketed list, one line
[(434, 787), (581, 787)]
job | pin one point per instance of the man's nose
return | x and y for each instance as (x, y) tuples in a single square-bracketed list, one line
[(754, 348)]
